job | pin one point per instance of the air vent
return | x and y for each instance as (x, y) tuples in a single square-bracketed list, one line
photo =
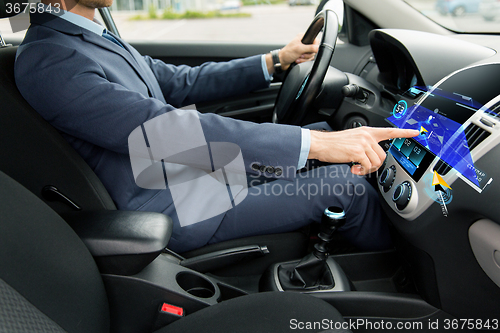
[(474, 135), (442, 167), (494, 110)]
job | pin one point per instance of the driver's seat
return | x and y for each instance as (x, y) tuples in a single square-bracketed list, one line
[(37, 156), (50, 283)]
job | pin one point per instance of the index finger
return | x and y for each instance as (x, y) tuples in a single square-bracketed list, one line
[(381, 134)]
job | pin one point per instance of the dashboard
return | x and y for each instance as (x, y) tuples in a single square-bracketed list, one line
[(458, 124), (439, 189), (445, 88)]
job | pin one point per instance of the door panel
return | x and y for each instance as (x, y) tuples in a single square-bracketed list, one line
[(346, 57), (256, 106)]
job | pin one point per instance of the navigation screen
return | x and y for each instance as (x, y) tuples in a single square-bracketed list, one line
[(439, 119), (412, 156)]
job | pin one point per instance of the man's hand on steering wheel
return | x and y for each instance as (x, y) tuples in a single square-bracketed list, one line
[(303, 83), (295, 51)]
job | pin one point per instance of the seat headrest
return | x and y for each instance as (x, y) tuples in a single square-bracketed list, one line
[(7, 11)]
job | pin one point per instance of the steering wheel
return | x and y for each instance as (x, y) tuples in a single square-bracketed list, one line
[(302, 82)]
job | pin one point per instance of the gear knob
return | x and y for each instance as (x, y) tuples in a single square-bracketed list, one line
[(333, 218)]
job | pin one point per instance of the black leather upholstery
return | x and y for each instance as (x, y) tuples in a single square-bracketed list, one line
[(122, 242), (35, 154), (120, 232), (44, 265)]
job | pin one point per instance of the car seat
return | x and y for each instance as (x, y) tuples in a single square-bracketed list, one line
[(49, 282), (37, 156)]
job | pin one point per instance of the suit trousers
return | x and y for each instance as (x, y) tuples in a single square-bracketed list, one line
[(277, 206)]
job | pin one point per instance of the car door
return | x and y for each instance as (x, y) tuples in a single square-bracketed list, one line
[(256, 27), (195, 41)]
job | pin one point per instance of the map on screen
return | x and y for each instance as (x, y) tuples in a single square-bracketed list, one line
[(439, 134)]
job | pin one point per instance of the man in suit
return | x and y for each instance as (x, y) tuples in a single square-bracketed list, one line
[(96, 89)]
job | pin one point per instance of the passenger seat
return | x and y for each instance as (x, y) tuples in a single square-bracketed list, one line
[(49, 282)]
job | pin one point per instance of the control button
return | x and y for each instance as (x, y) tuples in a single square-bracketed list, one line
[(387, 177), (255, 167), (402, 195), (270, 169), (350, 90), (354, 122), (278, 172), (487, 122)]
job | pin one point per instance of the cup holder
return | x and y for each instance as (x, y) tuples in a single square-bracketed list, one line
[(195, 285)]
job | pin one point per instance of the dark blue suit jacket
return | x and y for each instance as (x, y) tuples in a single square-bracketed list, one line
[(96, 93)]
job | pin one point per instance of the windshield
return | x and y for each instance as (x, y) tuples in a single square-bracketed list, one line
[(462, 15)]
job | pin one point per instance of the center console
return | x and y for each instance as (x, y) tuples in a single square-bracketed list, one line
[(149, 287), (137, 300), (458, 124), (316, 271)]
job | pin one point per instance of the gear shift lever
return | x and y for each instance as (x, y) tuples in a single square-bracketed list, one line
[(312, 271), (333, 218)]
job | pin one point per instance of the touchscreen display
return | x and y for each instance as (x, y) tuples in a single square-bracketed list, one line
[(439, 118), (412, 156)]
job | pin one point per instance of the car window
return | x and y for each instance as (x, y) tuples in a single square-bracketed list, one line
[(267, 21), (273, 21), (461, 15), (14, 31)]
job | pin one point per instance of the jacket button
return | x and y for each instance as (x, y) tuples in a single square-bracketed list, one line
[(255, 167), (270, 169), (262, 168), (278, 172)]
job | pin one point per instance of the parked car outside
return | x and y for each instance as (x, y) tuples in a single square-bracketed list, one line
[(457, 7), (302, 2), (489, 9), (231, 5)]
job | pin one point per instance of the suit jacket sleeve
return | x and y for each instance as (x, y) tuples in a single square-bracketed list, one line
[(72, 92), (184, 85)]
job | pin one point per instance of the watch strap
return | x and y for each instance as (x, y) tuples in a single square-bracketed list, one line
[(276, 61)]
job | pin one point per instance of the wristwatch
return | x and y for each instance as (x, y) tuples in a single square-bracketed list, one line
[(276, 61)]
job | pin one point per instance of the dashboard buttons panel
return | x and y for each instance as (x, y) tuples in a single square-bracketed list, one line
[(387, 178), (402, 195)]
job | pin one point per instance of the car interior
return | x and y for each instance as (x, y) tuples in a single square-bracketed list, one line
[(72, 262)]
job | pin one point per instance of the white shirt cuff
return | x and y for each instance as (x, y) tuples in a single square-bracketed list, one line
[(264, 68), (304, 148)]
